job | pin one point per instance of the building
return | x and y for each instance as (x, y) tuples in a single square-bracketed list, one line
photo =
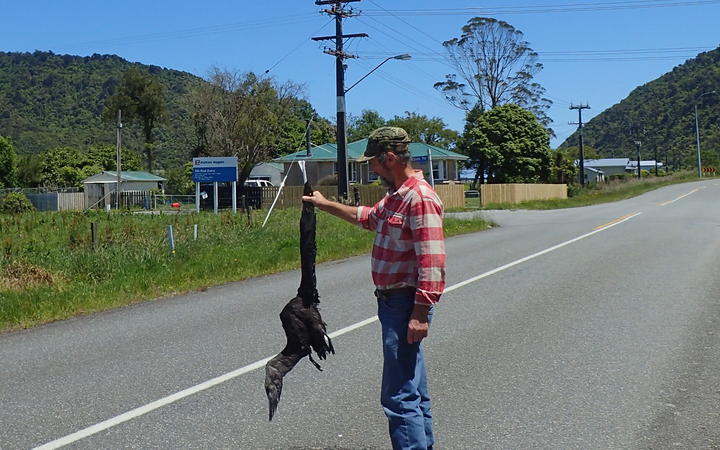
[(270, 171), (99, 186), (644, 165), (608, 166), (321, 164)]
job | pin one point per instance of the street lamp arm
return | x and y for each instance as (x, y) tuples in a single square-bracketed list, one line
[(403, 57)]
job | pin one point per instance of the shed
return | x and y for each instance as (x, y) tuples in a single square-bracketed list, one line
[(100, 185)]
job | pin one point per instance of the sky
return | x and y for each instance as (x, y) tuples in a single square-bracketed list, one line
[(594, 52)]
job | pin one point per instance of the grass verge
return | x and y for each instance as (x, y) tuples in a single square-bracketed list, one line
[(50, 269)]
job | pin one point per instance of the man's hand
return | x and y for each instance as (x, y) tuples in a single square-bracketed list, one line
[(316, 199), (418, 325), (344, 212)]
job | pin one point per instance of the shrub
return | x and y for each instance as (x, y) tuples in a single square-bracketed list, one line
[(15, 202)]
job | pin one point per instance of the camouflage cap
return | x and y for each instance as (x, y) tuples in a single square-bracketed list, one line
[(385, 139)]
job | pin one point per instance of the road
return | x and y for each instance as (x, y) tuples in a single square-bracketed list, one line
[(594, 327)]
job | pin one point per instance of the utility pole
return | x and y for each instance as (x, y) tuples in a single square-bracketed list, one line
[(340, 13), (118, 160), (579, 123)]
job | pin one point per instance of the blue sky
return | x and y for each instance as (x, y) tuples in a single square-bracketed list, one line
[(594, 51)]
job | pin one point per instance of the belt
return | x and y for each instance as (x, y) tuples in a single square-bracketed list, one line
[(384, 293)]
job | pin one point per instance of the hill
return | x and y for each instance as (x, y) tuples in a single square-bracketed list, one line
[(49, 101), (665, 110)]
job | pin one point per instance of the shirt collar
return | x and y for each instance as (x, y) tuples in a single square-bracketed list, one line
[(409, 183)]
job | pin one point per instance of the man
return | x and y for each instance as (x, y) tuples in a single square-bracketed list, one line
[(408, 269)]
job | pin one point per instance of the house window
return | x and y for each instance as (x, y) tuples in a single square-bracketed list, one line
[(439, 169)]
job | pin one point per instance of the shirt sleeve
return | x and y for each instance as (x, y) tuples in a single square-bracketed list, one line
[(426, 224), (367, 216)]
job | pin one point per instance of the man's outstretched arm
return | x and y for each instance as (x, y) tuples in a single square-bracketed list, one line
[(345, 212)]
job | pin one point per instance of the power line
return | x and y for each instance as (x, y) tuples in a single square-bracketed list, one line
[(200, 31), (543, 9), (305, 41)]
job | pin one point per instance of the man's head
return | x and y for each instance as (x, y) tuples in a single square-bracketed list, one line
[(386, 139)]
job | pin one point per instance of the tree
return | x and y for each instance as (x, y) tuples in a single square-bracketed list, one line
[(361, 127), (494, 66), (292, 136), (179, 180), (563, 170), (29, 169), (105, 157), (508, 144), (241, 115), (420, 128), (140, 98), (8, 163), (67, 166)]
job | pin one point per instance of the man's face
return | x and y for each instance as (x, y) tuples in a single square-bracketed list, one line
[(383, 170)]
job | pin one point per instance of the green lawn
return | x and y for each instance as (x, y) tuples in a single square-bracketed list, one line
[(50, 270)]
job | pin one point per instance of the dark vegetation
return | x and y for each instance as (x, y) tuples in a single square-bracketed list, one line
[(661, 114)]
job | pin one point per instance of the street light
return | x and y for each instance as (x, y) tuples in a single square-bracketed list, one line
[(343, 185), (697, 132), (403, 57)]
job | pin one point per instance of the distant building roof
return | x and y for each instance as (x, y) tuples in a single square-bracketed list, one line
[(607, 162), (644, 163), (328, 152), (109, 176)]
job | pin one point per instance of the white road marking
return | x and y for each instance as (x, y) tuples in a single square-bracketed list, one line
[(682, 196), (137, 412)]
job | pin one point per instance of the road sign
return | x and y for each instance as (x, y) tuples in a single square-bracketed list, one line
[(420, 159), (216, 169), (708, 169)]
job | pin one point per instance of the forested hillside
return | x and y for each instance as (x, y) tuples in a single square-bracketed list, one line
[(49, 101), (661, 114)]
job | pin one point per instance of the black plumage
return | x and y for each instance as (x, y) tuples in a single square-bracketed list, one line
[(304, 328)]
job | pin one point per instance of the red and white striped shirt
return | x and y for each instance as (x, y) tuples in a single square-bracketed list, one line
[(409, 248)]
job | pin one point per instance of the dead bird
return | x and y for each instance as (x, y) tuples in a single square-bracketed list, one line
[(304, 328)]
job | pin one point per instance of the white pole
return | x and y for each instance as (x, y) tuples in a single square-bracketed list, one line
[(282, 184), (118, 162), (432, 177), (197, 197), (171, 238), (215, 196), (234, 196), (195, 232)]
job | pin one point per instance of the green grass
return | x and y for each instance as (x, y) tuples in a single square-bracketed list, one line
[(603, 193), (49, 269)]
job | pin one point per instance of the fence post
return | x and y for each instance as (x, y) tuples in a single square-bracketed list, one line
[(93, 234)]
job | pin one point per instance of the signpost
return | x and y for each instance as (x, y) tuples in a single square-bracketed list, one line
[(215, 170)]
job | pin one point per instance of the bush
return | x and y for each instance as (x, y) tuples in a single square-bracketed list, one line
[(15, 202)]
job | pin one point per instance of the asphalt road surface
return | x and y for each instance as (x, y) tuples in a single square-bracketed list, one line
[(595, 327)]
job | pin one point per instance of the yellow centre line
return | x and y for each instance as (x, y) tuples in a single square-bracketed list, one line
[(682, 196), (615, 221)]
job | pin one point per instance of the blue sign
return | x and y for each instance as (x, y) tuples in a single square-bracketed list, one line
[(420, 159), (210, 170)]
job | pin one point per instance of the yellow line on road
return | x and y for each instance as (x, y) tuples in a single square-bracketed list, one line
[(682, 196), (615, 221)]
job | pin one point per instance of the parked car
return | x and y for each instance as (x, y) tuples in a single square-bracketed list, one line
[(258, 183)]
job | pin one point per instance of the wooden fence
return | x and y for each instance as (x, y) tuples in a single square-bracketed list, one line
[(291, 196), (71, 201), (517, 193)]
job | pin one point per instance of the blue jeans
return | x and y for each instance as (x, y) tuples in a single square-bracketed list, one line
[(404, 393)]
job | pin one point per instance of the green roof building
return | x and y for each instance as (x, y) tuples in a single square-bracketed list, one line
[(322, 163)]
